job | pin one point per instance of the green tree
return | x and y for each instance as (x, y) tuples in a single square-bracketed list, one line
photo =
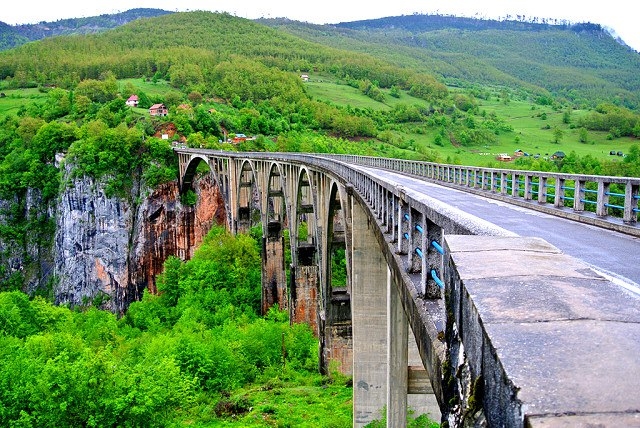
[(583, 135), (557, 135)]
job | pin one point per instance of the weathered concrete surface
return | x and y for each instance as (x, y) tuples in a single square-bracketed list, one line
[(536, 336), (304, 296), (274, 281), (369, 308), (589, 421)]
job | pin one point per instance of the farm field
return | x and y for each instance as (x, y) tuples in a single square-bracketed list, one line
[(13, 99), (150, 87), (533, 127)]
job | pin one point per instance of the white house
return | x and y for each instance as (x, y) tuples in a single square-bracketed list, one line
[(132, 101)]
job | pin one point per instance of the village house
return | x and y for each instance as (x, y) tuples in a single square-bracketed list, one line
[(239, 138), (158, 110), (304, 77), (132, 101)]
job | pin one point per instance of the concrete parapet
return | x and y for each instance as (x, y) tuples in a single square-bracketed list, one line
[(536, 338)]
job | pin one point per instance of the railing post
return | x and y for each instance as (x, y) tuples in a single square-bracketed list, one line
[(558, 200), (435, 257), (391, 217), (631, 193), (403, 228), (527, 187), (603, 198), (504, 183), (515, 185), (413, 256), (578, 195), (542, 189), (475, 178)]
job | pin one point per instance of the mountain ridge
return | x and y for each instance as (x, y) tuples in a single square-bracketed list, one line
[(580, 62), (15, 35)]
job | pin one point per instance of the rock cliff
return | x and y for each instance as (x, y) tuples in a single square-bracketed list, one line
[(106, 250)]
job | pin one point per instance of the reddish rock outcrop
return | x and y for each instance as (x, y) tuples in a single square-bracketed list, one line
[(166, 227)]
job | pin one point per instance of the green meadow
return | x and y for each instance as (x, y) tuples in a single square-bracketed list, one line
[(151, 88), (13, 99), (533, 126)]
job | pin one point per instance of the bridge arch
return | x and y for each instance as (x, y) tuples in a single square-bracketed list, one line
[(276, 196), (274, 222), (335, 281), (304, 284), (248, 212), (190, 170), (303, 227)]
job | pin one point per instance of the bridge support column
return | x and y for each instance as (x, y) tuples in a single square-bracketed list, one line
[(274, 282), (397, 357), (303, 302), (369, 321), (380, 332)]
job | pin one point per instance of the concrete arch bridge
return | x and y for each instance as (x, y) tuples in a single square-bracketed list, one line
[(412, 292)]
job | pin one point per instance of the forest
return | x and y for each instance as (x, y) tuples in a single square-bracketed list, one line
[(195, 354), (198, 353)]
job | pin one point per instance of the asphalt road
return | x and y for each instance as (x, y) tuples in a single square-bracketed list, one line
[(612, 254)]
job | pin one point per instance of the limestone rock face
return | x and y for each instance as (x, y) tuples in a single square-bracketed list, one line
[(108, 250), (91, 247)]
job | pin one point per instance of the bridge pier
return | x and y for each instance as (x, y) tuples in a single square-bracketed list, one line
[(274, 281), (369, 306), (398, 358), (303, 289), (380, 331)]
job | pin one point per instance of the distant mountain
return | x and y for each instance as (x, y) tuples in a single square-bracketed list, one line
[(581, 62), (15, 35), (9, 37)]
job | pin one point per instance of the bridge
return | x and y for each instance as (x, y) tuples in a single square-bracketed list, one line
[(516, 308)]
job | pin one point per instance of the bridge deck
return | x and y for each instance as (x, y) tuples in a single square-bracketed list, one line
[(611, 253), (541, 325)]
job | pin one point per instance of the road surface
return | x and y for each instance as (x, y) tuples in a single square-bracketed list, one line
[(612, 254)]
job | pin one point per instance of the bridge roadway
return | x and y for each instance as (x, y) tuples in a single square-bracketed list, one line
[(613, 254)]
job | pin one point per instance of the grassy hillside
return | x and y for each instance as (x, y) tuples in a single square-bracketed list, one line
[(581, 62), (150, 46), (388, 96), (532, 126)]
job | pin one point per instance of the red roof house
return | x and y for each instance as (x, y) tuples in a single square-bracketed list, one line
[(158, 110)]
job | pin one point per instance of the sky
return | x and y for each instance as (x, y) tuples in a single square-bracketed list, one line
[(618, 15)]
